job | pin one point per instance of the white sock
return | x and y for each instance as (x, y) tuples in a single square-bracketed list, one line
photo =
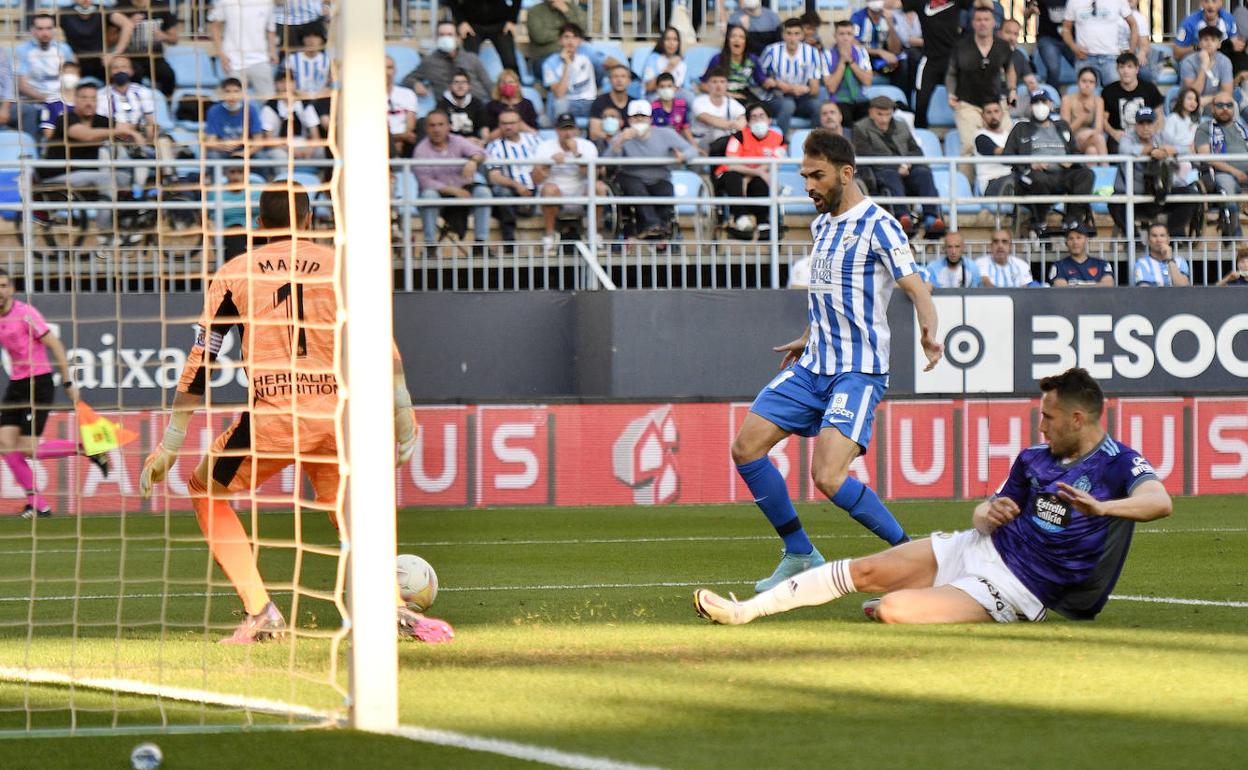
[(820, 585)]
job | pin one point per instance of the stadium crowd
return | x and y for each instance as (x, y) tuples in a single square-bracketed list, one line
[(96, 81)]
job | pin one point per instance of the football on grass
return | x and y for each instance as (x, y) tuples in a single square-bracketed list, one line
[(418, 583)]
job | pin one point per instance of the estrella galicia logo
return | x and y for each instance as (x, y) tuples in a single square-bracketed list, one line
[(1050, 513)]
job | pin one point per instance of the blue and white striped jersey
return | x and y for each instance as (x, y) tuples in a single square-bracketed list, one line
[(855, 262), (309, 71), (1154, 272), (524, 147), (294, 12), (795, 69), (1013, 274)]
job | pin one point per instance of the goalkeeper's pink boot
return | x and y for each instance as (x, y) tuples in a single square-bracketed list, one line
[(413, 625), (264, 626)]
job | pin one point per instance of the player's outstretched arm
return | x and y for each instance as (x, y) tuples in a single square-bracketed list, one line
[(1147, 502), (991, 514), (917, 290), (56, 349), (162, 458)]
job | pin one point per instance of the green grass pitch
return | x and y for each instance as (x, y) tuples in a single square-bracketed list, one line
[(576, 633)]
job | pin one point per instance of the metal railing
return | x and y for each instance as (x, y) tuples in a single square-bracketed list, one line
[(56, 249)]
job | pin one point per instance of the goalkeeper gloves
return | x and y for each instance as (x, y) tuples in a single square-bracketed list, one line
[(162, 458), (404, 426)]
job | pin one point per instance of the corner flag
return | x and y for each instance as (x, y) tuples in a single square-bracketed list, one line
[(99, 434)]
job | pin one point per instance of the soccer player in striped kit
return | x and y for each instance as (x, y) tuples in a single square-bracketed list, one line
[(835, 374)]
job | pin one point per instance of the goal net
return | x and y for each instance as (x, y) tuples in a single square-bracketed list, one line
[(112, 605)]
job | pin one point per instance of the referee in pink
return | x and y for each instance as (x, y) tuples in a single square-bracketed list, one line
[(27, 401)]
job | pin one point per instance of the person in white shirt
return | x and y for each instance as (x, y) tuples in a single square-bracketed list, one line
[(953, 271), (133, 104), (564, 178), (793, 69), (1159, 265), (990, 140), (569, 76), (666, 57), (715, 114), (511, 180), (291, 123), (244, 36), (39, 61), (1180, 131), (999, 269), (401, 110), (1091, 30)]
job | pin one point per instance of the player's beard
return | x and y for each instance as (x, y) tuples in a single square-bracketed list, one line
[(830, 201)]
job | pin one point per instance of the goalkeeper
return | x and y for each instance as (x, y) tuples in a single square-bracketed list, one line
[(283, 298)]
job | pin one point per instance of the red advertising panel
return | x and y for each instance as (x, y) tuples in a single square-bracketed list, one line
[(920, 451), (641, 454), (993, 435), (438, 471), (1220, 446), (513, 459), (1154, 427), (786, 456)]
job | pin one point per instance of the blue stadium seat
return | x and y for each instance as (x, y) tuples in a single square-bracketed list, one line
[(939, 113), (928, 141), (544, 134), (1104, 176), (1171, 97), (164, 118), (637, 62), (405, 58), (491, 60), (1167, 76), (797, 186), (10, 191), (953, 143), (526, 74), (192, 94), (192, 66), (17, 144), (697, 59), (532, 94), (687, 186), (609, 48), (892, 92), (797, 139), (961, 188), (1053, 95)]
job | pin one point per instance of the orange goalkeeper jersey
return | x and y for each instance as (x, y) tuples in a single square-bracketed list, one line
[(284, 302)]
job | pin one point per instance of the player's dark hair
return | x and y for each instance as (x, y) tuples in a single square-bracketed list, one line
[(811, 19), (86, 85), (790, 23), (843, 23), (979, 8), (1126, 57), (717, 72), (1076, 388), (757, 106), (4, 273), (665, 77), (1212, 32), (461, 73), (231, 82), (834, 148), (437, 111), (575, 29), (275, 207)]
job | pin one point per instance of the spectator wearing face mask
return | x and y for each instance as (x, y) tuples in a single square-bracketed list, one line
[(619, 77), (642, 140), (611, 122), (507, 96), (435, 71), (759, 140), (669, 109)]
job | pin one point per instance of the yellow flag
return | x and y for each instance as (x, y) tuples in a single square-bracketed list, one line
[(99, 434)]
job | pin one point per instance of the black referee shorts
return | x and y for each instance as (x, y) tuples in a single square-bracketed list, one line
[(28, 404)]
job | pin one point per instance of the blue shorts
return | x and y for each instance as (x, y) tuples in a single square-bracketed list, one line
[(805, 403)]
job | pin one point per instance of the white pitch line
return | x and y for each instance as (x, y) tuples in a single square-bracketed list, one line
[(572, 541), (557, 587), (546, 756)]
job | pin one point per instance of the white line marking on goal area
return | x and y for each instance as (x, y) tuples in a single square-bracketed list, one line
[(551, 587), (182, 546), (532, 753), (545, 756)]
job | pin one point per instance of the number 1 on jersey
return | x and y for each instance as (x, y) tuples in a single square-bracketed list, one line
[(283, 296)]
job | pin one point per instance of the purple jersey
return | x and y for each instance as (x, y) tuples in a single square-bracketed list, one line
[(20, 331), (1068, 559)]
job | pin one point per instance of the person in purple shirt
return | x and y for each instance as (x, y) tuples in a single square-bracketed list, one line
[(25, 408), (1054, 537), (450, 181)]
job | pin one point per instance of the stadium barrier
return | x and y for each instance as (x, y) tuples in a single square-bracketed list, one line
[(488, 455)]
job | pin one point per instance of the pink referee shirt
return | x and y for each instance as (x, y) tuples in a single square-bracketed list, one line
[(20, 331)]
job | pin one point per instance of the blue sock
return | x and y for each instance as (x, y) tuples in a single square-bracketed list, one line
[(865, 506), (771, 494)]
